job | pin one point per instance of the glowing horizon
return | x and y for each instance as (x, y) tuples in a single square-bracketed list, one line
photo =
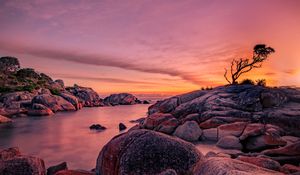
[(159, 47)]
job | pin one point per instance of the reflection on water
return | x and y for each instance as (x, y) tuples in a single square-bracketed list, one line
[(66, 136)]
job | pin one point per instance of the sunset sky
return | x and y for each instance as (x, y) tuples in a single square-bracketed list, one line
[(151, 46)]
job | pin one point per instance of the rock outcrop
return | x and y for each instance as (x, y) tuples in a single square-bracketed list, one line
[(146, 152), (122, 99)]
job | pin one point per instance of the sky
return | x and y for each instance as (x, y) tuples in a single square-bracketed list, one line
[(151, 46)]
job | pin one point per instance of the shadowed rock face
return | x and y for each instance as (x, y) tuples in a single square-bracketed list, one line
[(146, 152), (87, 96)]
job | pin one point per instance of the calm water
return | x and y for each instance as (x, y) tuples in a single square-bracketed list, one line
[(66, 136)]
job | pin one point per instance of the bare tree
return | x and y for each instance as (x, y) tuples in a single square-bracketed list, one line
[(244, 65)]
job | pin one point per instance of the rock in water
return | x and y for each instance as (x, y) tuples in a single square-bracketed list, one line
[(4, 119), (121, 99), (97, 127), (146, 152), (189, 131), (13, 163), (54, 169), (227, 166), (122, 127)]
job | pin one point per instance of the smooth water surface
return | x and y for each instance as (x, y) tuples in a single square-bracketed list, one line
[(66, 136)]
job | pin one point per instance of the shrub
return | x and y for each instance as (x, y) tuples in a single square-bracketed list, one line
[(9, 64), (261, 82), (54, 91), (247, 81)]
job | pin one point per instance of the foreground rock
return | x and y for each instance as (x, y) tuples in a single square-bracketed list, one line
[(12, 162), (261, 162), (54, 169), (74, 172), (122, 99), (189, 131), (146, 152), (221, 165), (4, 119)]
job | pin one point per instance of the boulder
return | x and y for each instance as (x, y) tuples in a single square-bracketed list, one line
[(146, 152), (5, 119), (122, 127), (168, 172), (211, 123), (290, 139), (289, 169), (54, 102), (261, 162), (223, 165), (288, 150), (189, 131), (168, 126), (192, 117), (12, 162), (121, 99), (155, 119), (60, 82), (87, 96), (272, 99), (210, 134), (72, 99), (39, 110), (229, 142), (56, 168), (253, 129), (233, 129), (262, 142), (140, 120)]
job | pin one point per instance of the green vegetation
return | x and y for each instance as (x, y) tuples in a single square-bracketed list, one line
[(247, 81), (55, 91)]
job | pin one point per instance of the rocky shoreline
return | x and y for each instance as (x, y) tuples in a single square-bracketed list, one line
[(258, 128)]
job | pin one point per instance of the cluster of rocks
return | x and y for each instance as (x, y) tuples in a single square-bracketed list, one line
[(43, 103)]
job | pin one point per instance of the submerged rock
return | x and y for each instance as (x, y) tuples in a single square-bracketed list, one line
[(146, 152), (97, 127), (122, 127)]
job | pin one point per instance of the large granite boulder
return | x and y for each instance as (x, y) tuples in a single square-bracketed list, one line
[(230, 142), (87, 96), (12, 162), (189, 131), (227, 166), (146, 152), (261, 162), (154, 120), (121, 99), (237, 103), (72, 99), (54, 102)]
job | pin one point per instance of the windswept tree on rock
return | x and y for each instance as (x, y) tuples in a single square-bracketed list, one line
[(244, 65)]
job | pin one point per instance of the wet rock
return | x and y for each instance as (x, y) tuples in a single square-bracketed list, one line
[(262, 142), (97, 127), (54, 169), (168, 126), (189, 131), (5, 119), (155, 119), (222, 165), (146, 152), (232, 129), (122, 127), (12, 162), (39, 110), (140, 120), (210, 134), (229, 142), (261, 162)]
